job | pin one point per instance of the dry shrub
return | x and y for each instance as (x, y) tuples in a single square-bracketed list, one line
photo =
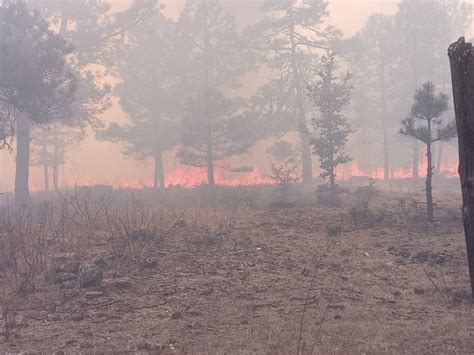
[(211, 214), (76, 218), (285, 163), (9, 313), (23, 245), (360, 207), (360, 213), (134, 231), (408, 208), (328, 196), (366, 193)]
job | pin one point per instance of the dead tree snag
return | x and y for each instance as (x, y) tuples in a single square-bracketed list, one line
[(462, 72)]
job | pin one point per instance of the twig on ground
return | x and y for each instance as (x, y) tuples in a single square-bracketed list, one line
[(300, 330), (435, 286), (333, 293), (307, 298)]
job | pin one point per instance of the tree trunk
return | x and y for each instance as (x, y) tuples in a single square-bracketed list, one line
[(386, 155), (416, 145), (210, 166), (332, 179), (46, 177), (305, 148), (307, 161), (210, 156), (462, 72), (429, 185), (56, 165), (45, 169), (22, 193), (56, 176), (159, 175), (331, 172)]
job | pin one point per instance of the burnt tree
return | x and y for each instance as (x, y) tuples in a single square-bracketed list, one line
[(462, 72)]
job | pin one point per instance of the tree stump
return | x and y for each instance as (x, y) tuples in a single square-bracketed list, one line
[(462, 71)]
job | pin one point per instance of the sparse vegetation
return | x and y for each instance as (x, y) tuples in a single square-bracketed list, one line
[(360, 212), (284, 165), (231, 242), (9, 314), (124, 254)]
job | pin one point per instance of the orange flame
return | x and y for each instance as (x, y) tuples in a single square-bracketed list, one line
[(188, 177)]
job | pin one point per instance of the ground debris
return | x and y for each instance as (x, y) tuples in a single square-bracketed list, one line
[(90, 275)]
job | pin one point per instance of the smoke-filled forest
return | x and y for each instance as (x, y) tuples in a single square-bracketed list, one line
[(236, 176)]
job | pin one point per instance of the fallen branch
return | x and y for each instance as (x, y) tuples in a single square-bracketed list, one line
[(435, 286)]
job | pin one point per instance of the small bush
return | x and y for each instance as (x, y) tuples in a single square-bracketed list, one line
[(408, 207), (329, 197), (366, 193), (360, 213), (9, 314), (284, 168)]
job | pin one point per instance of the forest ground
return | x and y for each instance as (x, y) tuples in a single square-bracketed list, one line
[(239, 271)]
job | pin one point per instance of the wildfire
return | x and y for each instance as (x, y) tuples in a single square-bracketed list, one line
[(347, 171), (188, 177), (191, 177)]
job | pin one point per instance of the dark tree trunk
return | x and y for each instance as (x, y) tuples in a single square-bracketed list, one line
[(462, 72), (429, 183), (429, 175), (22, 193), (332, 179), (159, 175)]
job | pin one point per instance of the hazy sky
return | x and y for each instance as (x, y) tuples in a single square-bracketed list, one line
[(347, 15), (104, 163)]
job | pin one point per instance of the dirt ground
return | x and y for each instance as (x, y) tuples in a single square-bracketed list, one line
[(204, 277)]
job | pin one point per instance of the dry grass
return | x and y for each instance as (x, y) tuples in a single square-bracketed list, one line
[(225, 271)]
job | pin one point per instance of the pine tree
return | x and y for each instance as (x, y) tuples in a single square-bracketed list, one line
[(424, 29), (214, 125), (425, 123), (373, 62), (330, 95), (289, 36), (35, 80), (213, 129), (150, 92)]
